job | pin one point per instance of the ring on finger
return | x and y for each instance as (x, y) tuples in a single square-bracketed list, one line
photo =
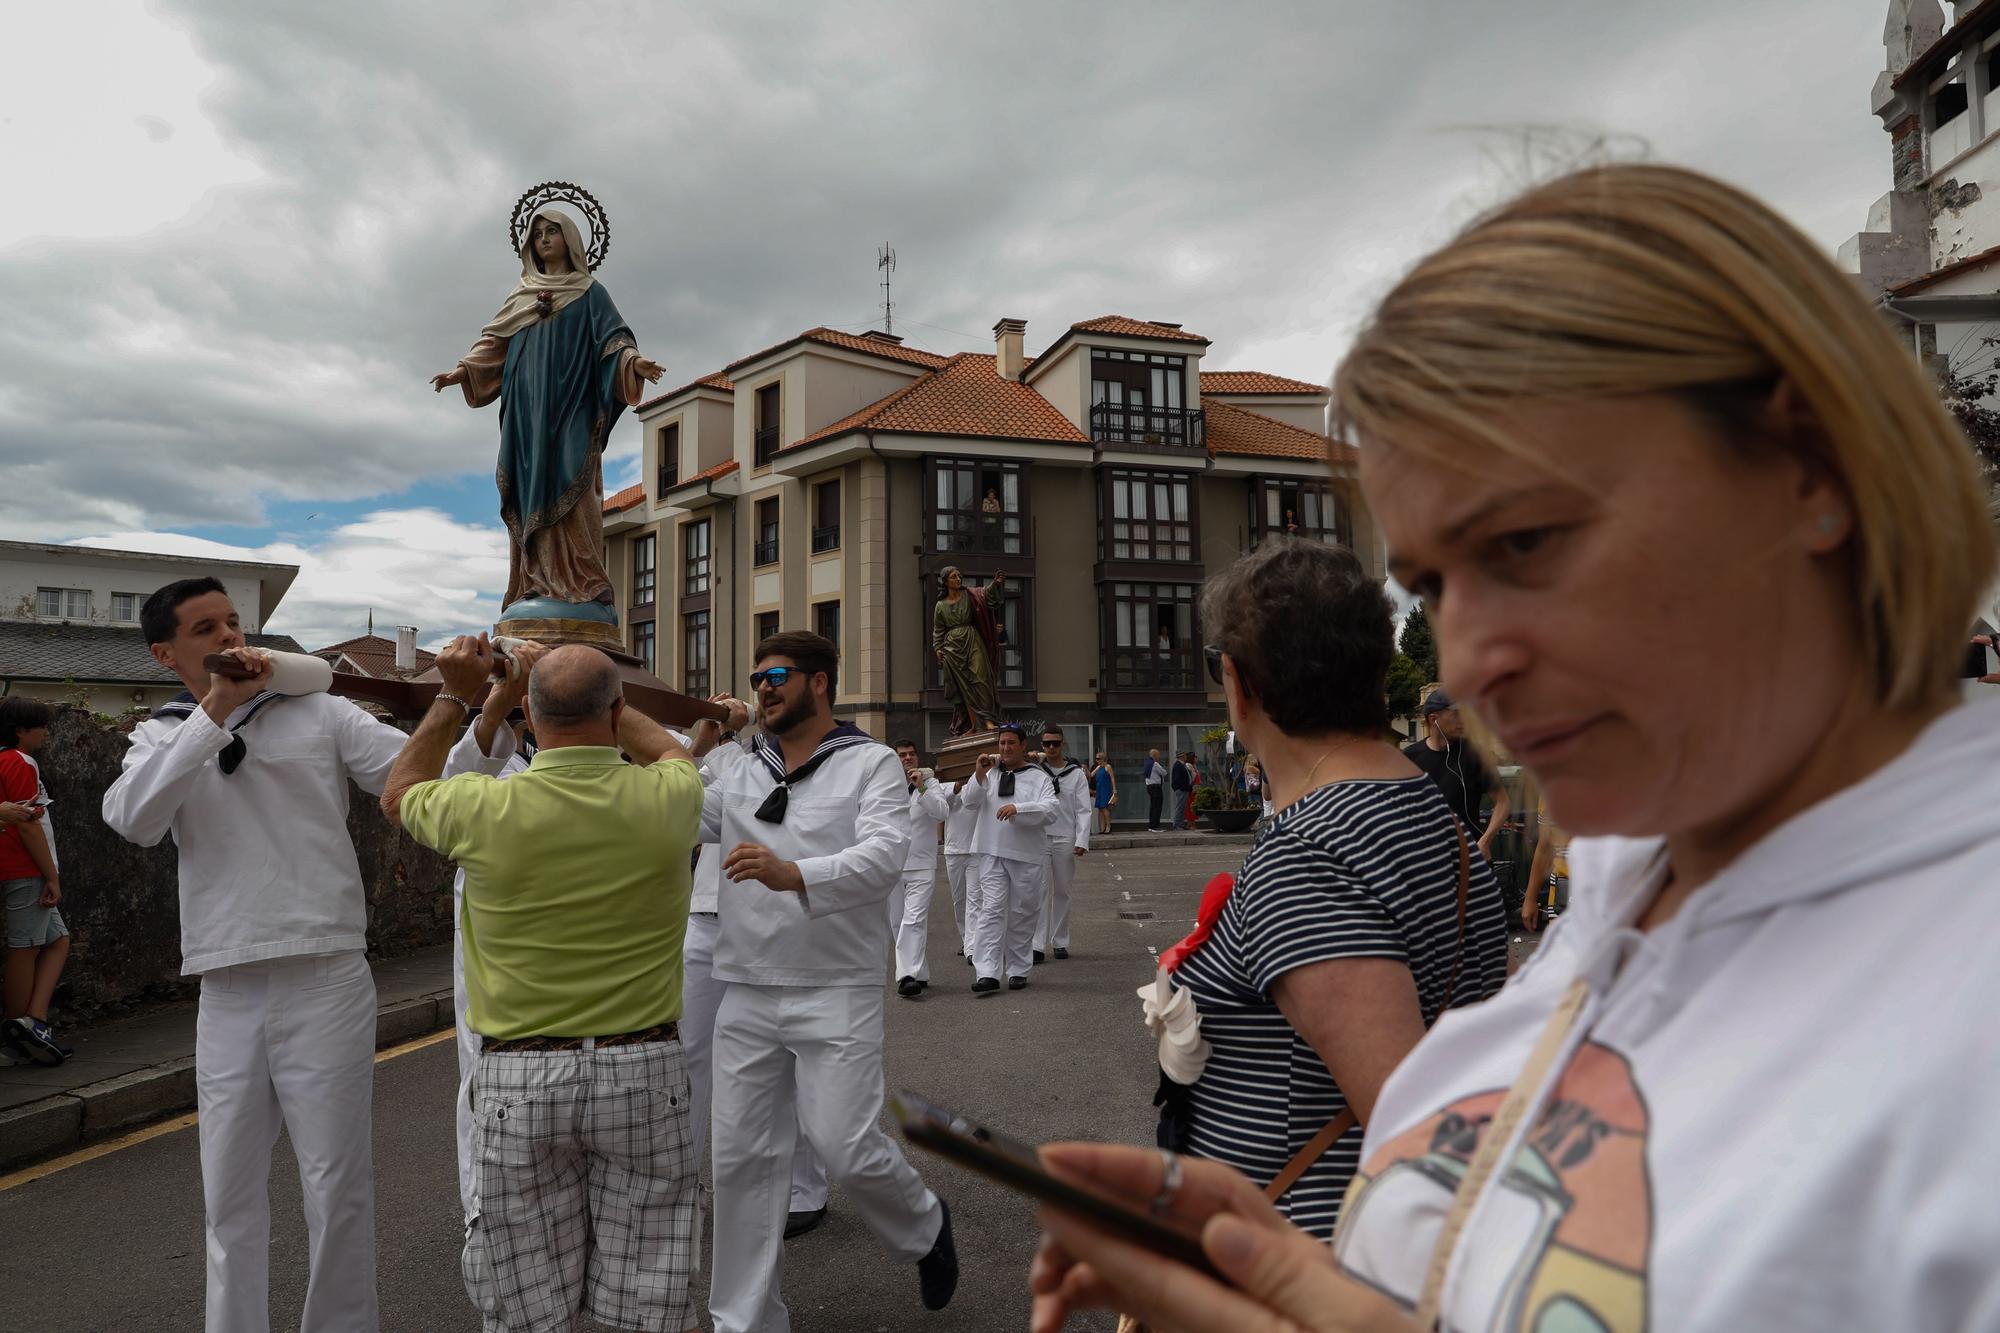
[(1170, 1183)]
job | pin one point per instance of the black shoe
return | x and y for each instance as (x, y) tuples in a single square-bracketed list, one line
[(986, 985), (797, 1224), (909, 986), (937, 1272), (1061, 952), (1017, 983), (1039, 958)]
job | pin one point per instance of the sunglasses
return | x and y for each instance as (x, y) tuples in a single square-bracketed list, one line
[(1212, 654), (1051, 742), (777, 676)]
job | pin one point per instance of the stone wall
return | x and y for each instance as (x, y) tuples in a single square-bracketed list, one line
[(122, 902)]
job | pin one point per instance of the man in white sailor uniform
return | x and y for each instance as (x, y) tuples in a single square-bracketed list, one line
[(1012, 801), (910, 905), (1068, 838), (815, 828), (959, 863), (253, 788)]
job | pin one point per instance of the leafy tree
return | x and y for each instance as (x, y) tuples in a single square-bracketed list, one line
[(1406, 681), (1419, 645)]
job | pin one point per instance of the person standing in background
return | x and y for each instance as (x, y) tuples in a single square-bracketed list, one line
[(1068, 838), (37, 939), (1154, 773), (910, 908), (1104, 780), (1457, 770)]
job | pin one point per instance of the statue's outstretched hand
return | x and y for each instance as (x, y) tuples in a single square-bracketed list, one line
[(456, 375), (649, 370)]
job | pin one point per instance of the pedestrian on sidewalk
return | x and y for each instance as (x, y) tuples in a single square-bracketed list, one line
[(910, 904), (253, 787), (816, 826), (1011, 801), (576, 901), (1154, 774), (31, 885), (1104, 781), (1341, 940), (1701, 545), (1182, 783), (1068, 837), (1460, 774)]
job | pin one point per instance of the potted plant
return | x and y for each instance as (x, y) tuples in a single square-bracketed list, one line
[(1223, 805)]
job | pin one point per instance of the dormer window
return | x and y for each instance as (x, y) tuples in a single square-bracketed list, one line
[(1141, 398)]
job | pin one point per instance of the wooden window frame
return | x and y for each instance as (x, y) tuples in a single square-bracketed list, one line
[(645, 569), (767, 551), (697, 570), (769, 406), (1144, 533), (697, 627), (955, 530), (670, 459)]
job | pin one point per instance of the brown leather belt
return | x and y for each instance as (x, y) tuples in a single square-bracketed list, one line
[(659, 1032)]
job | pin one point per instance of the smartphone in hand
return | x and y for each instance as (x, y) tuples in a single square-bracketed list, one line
[(1017, 1166)]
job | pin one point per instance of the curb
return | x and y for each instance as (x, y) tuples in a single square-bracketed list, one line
[(1112, 842), (69, 1120)]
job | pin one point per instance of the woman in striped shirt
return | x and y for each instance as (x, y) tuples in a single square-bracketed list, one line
[(1340, 942)]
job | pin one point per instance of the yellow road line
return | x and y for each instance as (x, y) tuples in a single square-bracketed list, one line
[(42, 1170)]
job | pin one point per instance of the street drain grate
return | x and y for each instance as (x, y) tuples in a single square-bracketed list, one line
[(1135, 916)]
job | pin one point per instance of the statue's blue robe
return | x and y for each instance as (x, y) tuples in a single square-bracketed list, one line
[(557, 408)]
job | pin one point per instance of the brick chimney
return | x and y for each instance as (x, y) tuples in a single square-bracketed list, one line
[(406, 647), (1009, 355)]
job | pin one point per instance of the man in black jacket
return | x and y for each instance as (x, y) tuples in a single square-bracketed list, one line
[(1181, 779)]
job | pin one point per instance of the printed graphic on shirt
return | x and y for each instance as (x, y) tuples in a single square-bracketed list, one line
[(1561, 1245)]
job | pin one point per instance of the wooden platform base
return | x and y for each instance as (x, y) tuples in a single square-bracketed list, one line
[(957, 756)]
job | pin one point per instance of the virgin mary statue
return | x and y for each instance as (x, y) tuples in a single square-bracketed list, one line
[(564, 364)]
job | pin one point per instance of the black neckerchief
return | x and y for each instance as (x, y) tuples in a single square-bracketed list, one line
[(1056, 774), (1006, 787), (772, 811), (182, 706)]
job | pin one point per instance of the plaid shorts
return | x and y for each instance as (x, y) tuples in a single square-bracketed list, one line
[(585, 1192)]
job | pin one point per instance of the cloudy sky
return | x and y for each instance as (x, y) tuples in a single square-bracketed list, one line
[(245, 235)]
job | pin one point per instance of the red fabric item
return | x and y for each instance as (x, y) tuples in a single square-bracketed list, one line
[(1212, 900), (989, 635), (17, 783)]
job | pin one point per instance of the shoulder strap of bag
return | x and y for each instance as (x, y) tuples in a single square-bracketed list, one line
[(1329, 1134)]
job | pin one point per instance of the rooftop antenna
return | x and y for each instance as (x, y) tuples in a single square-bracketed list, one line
[(885, 260)]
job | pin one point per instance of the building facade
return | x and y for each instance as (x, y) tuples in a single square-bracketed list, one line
[(69, 619), (828, 482)]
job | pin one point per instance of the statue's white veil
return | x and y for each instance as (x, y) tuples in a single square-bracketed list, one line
[(523, 305)]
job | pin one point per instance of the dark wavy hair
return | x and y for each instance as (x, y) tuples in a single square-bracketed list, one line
[(1310, 634)]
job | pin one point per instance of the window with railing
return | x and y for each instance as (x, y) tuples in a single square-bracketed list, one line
[(1142, 398), (694, 655), (644, 553), (769, 417), (1299, 509), (1149, 638), (767, 625), (826, 516), (694, 558), (976, 506), (826, 621), (765, 551), (670, 459), (1148, 516), (63, 603), (644, 643)]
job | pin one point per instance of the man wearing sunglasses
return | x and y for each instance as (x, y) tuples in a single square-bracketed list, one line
[(814, 826), (1068, 836), (1012, 802)]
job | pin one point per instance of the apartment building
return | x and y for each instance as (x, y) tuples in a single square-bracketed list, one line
[(827, 482)]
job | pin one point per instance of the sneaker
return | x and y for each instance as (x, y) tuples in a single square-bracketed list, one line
[(908, 987), (937, 1272), (985, 985), (36, 1040), (1061, 952), (1017, 983), (797, 1224)]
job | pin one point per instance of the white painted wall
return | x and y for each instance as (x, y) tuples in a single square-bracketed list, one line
[(23, 571)]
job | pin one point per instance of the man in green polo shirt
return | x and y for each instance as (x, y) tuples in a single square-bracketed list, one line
[(576, 902)]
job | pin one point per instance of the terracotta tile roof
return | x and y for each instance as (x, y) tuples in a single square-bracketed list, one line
[(1236, 430), (966, 396), (375, 655), (892, 351), (713, 380), (1136, 328), (625, 499), (706, 474), (1254, 381)]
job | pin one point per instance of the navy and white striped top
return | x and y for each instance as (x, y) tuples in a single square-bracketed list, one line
[(1360, 869)]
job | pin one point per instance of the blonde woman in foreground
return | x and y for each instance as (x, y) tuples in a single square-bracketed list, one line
[(1701, 548)]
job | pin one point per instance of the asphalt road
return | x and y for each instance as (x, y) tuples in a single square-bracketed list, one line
[(115, 1243)]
